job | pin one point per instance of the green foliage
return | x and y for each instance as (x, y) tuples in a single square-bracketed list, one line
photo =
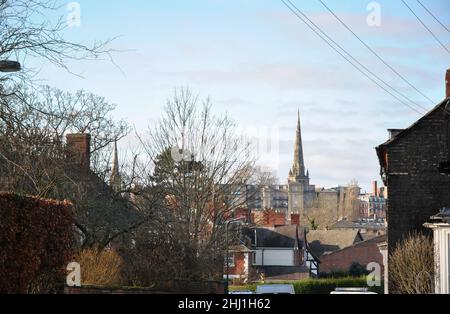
[(312, 221), (318, 286), (335, 274), (357, 270)]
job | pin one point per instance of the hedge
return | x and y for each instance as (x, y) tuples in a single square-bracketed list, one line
[(318, 286), (36, 241)]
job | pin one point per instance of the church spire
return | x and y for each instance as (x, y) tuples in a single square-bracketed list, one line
[(115, 175), (298, 166)]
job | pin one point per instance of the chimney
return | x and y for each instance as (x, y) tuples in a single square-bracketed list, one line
[(295, 219), (79, 150), (447, 84), (394, 132), (375, 188)]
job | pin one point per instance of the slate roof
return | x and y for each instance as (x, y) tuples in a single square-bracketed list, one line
[(403, 132), (240, 248), (442, 216), (378, 239), (343, 224), (321, 241), (278, 237)]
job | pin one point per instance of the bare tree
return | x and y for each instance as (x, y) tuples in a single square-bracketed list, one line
[(34, 159), (263, 176), (200, 169), (27, 31), (411, 266)]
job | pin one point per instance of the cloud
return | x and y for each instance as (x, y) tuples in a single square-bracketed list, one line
[(285, 76)]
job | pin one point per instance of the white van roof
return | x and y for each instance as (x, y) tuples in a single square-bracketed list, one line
[(275, 289)]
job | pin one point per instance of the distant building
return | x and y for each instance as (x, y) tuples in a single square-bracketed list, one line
[(299, 196), (271, 253), (291, 252), (368, 228), (326, 241), (373, 205), (362, 252)]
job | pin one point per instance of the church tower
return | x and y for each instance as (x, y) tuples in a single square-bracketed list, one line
[(297, 172), (299, 189), (115, 180)]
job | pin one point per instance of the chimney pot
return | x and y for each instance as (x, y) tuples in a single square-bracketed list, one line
[(375, 188), (295, 219), (394, 132)]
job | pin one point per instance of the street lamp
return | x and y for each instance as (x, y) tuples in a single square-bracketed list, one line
[(227, 223), (9, 66)]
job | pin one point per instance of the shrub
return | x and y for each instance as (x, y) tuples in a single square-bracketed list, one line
[(411, 265), (327, 285), (334, 274), (357, 270), (99, 267), (36, 238)]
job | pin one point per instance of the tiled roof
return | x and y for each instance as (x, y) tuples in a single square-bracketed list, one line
[(321, 241), (239, 248), (358, 225), (378, 239)]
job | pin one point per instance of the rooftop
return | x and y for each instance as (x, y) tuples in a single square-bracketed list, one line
[(322, 241)]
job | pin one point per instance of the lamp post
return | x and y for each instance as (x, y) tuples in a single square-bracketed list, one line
[(9, 66), (227, 223)]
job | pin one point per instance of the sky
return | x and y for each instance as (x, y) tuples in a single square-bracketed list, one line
[(260, 64)]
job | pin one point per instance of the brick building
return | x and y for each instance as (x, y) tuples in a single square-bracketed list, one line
[(272, 253), (363, 252), (373, 205), (412, 167)]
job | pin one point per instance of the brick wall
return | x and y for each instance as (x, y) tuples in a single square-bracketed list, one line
[(268, 218), (416, 190), (243, 212), (295, 219), (363, 253), (169, 287), (239, 264)]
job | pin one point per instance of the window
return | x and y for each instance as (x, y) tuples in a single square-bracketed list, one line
[(230, 261)]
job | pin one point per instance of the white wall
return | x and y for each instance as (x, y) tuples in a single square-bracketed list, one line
[(274, 257)]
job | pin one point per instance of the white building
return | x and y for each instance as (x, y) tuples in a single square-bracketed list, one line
[(440, 224)]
